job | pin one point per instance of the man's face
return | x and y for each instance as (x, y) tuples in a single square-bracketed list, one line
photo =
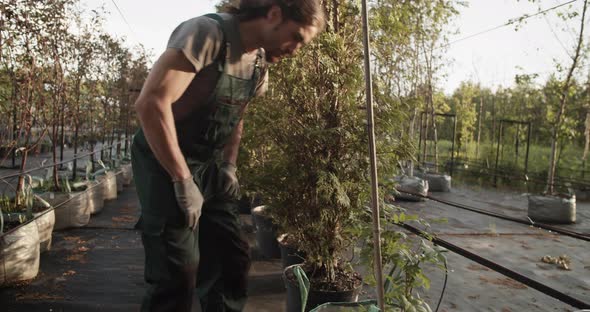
[(284, 39)]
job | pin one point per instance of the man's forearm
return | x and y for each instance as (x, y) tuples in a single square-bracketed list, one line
[(157, 122), (230, 151)]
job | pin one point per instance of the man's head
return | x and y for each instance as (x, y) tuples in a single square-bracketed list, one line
[(285, 25)]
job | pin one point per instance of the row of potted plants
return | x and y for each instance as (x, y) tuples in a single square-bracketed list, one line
[(52, 203)]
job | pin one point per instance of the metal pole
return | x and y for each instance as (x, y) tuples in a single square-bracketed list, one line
[(425, 147), (453, 146), (373, 154), (528, 144), (498, 154), (420, 140)]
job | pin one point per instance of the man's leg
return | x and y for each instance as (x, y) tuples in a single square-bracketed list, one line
[(171, 248), (171, 262), (225, 258)]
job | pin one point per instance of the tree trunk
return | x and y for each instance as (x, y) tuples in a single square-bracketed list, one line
[(14, 123), (62, 134), (54, 155), (76, 129), (21, 178), (411, 134), (104, 136), (559, 153)]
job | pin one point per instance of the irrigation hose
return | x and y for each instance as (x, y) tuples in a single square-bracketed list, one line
[(499, 268), (444, 288)]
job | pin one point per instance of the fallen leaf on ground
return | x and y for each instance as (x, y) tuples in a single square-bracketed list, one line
[(77, 257), (563, 262)]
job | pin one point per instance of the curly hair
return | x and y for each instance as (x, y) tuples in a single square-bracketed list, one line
[(307, 12)]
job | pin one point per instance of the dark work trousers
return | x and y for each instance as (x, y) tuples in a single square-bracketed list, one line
[(214, 260)]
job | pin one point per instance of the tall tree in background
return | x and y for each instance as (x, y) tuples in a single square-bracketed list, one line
[(408, 40), (49, 74)]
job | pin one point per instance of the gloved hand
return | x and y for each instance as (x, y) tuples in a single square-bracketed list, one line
[(190, 200), (227, 181)]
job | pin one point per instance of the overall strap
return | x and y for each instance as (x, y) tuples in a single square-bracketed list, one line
[(222, 56)]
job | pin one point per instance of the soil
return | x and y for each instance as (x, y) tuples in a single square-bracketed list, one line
[(10, 225), (345, 280), (38, 209)]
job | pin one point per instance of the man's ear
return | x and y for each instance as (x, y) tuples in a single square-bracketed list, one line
[(274, 15)]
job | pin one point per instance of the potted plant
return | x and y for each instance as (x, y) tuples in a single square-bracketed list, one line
[(20, 243), (19, 246), (96, 188), (290, 251), (266, 232), (126, 171), (552, 206), (105, 182), (311, 156), (307, 155), (404, 259), (70, 199)]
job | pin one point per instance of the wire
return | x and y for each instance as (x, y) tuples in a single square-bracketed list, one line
[(508, 23), (125, 20), (442, 293), (76, 157)]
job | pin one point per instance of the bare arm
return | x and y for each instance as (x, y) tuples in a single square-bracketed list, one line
[(166, 82), (230, 151)]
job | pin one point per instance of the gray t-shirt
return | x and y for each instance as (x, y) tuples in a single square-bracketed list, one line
[(200, 39)]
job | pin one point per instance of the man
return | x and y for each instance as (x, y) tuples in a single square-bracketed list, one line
[(184, 156)]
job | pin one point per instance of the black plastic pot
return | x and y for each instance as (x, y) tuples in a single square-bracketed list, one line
[(266, 234), (290, 255), (244, 205), (315, 298)]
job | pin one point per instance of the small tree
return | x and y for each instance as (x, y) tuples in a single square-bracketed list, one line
[(308, 148), (563, 96)]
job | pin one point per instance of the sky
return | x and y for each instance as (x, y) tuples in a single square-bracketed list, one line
[(492, 59)]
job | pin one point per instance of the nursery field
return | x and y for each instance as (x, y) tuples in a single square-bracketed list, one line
[(104, 259), (286, 126)]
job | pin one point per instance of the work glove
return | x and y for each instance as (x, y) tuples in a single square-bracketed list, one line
[(190, 200), (227, 181)]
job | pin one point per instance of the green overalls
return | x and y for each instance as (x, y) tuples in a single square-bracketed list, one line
[(215, 259)]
